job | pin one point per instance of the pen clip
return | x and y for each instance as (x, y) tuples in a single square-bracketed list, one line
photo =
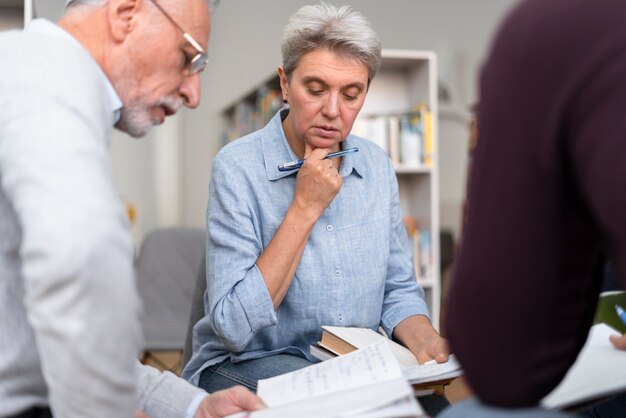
[(292, 165)]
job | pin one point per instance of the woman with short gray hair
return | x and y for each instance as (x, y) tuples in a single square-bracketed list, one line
[(297, 239), (340, 30)]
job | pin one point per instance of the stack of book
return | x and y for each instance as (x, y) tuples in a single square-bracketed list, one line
[(426, 378)]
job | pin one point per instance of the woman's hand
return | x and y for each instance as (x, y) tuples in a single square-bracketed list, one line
[(419, 336), (317, 184)]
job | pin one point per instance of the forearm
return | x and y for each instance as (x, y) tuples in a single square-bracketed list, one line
[(279, 261), (163, 395)]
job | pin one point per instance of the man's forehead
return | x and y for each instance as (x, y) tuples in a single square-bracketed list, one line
[(193, 16)]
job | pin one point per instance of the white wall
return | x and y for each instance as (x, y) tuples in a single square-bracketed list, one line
[(245, 49)]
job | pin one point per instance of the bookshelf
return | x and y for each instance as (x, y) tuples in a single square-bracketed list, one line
[(400, 115)]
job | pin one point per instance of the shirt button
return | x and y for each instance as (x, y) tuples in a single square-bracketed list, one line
[(329, 228), (340, 318), (337, 273)]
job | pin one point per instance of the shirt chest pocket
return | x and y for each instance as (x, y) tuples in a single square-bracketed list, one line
[(365, 247)]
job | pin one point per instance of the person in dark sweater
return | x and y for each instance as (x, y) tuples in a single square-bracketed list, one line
[(547, 201)]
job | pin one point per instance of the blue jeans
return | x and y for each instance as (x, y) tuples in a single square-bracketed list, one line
[(247, 373), (472, 408), (610, 408)]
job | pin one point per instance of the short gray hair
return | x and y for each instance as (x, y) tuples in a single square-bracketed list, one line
[(323, 26), (211, 3)]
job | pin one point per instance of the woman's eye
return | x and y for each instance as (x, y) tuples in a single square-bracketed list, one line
[(350, 98), (315, 92)]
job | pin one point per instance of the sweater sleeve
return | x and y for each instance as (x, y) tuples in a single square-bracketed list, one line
[(164, 395)]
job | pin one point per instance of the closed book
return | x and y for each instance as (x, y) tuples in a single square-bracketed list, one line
[(343, 340)]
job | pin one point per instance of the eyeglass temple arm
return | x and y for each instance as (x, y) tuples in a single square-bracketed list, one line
[(192, 42)]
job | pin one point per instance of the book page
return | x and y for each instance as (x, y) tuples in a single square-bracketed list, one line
[(433, 371), (367, 366), (384, 399), (599, 370)]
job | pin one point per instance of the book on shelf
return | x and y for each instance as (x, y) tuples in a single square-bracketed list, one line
[(423, 254), (343, 340), (365, 383), (426, 126), (422, 248), (598, 372), (410, 141)]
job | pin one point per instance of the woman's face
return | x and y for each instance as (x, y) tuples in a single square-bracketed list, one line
[(325, 95)]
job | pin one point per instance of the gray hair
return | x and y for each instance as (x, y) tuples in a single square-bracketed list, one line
[(323, 26), (211, 3)]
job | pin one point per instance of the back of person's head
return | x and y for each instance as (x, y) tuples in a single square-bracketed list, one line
[(338, 29), (71, 3)]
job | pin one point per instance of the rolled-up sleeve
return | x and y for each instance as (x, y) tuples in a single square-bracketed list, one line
[(404, 297), (239, 302)]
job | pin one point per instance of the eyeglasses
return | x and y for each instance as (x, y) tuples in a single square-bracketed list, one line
[(199, 62)]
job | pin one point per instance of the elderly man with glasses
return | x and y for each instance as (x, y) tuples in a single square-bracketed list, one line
[(69, 309)]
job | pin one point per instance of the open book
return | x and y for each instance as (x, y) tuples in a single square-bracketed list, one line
[(367, 383), (342, 340), (599, 371)]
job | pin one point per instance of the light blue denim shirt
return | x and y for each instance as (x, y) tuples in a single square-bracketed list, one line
[(356, 269)]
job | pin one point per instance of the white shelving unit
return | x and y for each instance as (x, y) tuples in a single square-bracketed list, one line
[(407, 79)]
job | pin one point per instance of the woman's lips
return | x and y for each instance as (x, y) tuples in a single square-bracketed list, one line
[(326, 131)]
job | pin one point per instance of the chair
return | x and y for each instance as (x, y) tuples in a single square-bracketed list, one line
[(166, 269), (197, 311)]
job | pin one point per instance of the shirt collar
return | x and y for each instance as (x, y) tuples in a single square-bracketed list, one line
[(276, 151), (354, 162), (48, 28)]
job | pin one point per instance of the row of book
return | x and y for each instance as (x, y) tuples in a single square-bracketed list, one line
[(253, 113), (407, 138)]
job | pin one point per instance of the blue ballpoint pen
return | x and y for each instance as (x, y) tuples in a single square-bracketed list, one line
[(294, 165), (621, 313)]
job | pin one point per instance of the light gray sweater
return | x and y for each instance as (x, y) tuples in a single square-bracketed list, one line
[(69, 308)]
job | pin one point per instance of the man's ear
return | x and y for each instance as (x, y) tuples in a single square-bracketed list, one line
[(121, 14)]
